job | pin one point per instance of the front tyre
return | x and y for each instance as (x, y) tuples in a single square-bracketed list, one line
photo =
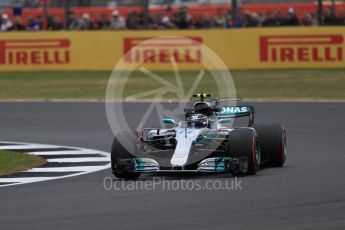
[(272, 143), (119, 152), (244, 142)]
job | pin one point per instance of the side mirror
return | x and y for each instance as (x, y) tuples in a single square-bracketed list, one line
[(168, 121), (225, 120)]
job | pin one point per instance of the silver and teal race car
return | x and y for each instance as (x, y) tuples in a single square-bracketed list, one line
[(206, 140)]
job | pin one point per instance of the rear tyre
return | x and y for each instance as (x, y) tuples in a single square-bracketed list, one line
[(119, 152), (272, 143), (243, 142)]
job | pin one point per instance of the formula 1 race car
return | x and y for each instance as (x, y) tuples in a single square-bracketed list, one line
[(202, 142)]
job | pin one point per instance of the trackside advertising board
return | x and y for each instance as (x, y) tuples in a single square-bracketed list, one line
[(257, 48)]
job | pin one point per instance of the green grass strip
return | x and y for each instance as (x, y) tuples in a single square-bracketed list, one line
[(11, 162), (252, 84)]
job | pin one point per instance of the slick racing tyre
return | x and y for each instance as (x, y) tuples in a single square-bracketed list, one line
[(243, 142), (273, 143), (118, 152)]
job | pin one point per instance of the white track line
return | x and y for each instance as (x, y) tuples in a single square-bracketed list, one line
[(25, 179), (30, 146), (81, 159), (67, 152), (66, 169)]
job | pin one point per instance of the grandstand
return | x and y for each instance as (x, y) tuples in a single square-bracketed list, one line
[(202, 13)]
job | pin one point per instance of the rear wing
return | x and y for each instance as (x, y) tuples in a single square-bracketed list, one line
[(208, 96), (237, 111)]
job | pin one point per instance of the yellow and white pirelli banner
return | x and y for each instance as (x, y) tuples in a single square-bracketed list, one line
[(302, 47)]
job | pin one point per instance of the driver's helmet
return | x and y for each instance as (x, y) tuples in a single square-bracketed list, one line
[(204, 108), (198, 121)]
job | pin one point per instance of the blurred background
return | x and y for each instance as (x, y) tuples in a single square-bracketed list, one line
[(277, 50)]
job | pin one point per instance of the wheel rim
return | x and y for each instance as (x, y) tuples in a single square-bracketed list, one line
[(284, 146), (257, 152)]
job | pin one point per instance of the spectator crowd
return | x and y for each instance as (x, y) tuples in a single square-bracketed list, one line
[(168, 19)]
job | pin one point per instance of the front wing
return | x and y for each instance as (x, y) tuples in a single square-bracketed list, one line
[(214, 164)]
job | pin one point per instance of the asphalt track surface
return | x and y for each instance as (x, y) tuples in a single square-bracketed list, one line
[(308, 193)]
